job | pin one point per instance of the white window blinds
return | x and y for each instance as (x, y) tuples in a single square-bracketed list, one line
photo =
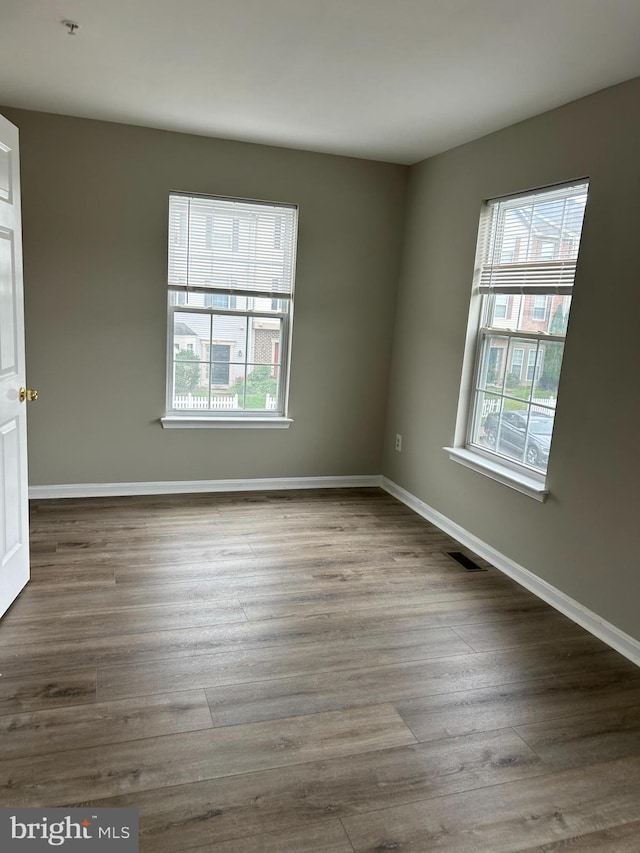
[(530, 243), (231, 246)]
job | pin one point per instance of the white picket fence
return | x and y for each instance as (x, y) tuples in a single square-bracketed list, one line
[(543, 405), (222, 401)]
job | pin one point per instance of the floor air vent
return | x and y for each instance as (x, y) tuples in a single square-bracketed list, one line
[(465, 561)]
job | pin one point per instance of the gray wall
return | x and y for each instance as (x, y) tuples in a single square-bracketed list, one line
[(95, 224), (584, 539)]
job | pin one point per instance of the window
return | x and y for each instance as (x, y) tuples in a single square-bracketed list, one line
[(539, 307), (230, 309), (527, 253), (517, 359), (502, 303)]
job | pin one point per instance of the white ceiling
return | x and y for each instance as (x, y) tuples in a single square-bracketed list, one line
[(394, 80)]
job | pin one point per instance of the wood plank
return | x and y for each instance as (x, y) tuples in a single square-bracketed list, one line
[(453, 589), (47, 576), (258, 803), (585, 738), (47, 690), (546, 628), (43, 604), (506, 818), (307, 694), (81, 726), (111, 556), (135, 620), (318, 837), (615, 839), (258, 664), (186, 569), (520, 703), (134, 766)]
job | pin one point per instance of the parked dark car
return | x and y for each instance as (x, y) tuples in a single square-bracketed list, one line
[(513, 440)]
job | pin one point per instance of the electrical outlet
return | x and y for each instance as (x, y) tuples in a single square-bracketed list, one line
[(398, 442)]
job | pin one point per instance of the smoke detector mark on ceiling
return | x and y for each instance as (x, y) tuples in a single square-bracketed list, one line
[(72, 27)]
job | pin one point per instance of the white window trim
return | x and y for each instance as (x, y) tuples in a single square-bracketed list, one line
[(207, 422), (501, 472), (491, 465)]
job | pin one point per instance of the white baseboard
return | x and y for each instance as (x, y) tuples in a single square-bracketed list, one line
[(178, 487), (578, 613)]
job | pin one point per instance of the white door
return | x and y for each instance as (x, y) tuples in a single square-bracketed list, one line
[(14, 510)]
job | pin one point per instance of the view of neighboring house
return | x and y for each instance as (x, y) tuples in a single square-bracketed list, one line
[(535, 313)]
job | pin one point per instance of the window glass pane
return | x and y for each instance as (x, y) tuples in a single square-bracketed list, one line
[(261, 387), (529, 313), (516, 384), (506, 432), (545, 386), (539, 432), (190, 332), (231, 330), (266, 337), (190, 385), (485, 405), (492, 369), (190, 370), (518, 432)]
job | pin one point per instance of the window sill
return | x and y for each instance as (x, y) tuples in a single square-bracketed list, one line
[(199, 422), (527, 485)]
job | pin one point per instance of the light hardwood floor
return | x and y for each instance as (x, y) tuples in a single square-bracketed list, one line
[(307, 672)]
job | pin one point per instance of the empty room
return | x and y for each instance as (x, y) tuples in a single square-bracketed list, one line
[(318, 414)]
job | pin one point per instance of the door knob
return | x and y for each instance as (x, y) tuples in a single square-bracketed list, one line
[(28, 394)]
